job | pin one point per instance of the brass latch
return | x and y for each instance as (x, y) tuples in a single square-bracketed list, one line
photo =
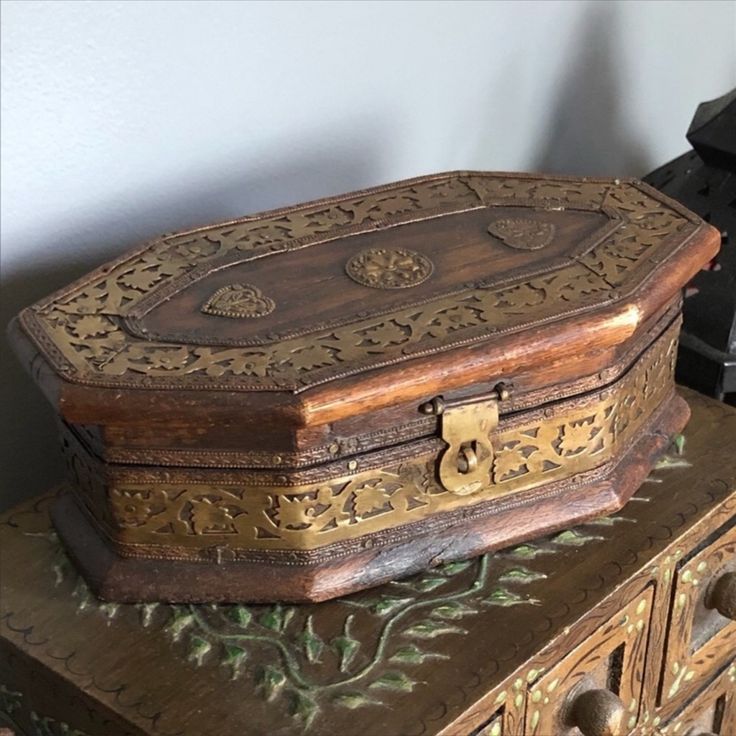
[(467, 423)]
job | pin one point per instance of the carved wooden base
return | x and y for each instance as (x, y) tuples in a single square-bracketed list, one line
[(451, 536)]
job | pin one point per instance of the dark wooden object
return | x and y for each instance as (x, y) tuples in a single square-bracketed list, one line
[(705, 181), (312, 401), (521, 641)]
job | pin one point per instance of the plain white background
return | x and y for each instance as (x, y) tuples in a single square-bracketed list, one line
[(122, 120)]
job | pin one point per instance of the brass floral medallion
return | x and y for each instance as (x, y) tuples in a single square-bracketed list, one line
[(239, 301), (389, 268), (523, 233)]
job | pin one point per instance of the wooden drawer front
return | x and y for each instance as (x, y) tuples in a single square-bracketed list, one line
[(612, 659), (712, 711), (700, 639)]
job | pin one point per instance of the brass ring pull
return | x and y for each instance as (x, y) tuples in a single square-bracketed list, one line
[(467, 460), (467, 424)]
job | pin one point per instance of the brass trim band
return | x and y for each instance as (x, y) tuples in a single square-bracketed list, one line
[(535, 448)]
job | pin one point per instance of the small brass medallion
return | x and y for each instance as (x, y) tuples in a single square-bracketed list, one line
[(523, 233), (389, 268), (239, 301)]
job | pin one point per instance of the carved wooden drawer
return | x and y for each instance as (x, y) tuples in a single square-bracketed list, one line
[(701, 634), (712, 711), (601, 678)]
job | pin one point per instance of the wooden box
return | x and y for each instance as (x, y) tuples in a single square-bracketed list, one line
[(311, 401)]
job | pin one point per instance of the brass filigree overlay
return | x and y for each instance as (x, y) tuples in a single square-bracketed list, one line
[(188, 514), (239, 301), (389, 268), (523, 233), (82, 331)]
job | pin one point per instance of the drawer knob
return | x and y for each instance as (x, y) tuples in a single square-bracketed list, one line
[(722, 595), (598, 713)]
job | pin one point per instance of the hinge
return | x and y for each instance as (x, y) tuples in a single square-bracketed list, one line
[(466, 425)]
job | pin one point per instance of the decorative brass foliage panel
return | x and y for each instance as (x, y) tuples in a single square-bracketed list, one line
[(82, 330), (199, 519)]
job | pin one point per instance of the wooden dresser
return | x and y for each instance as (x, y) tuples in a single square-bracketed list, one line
[(626, 620)]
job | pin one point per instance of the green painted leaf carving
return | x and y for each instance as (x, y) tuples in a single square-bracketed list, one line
[(241, 615), (311, 643), (424, 585), (198, 648), (234, 657), (607, 521), (679, 443), (389, 604), (345, 645), (109, 609), (147, 611), (414, 655), (453, 568), (429, 629), (505, 598), (181, 621), (276, 618), (521, 575), (46, 726), (572, 538), (10, 700), (353, 700), (451, 610), (527, 551), (394, 681), (668, 463), (270, 679), (346, 648), (303, 707)]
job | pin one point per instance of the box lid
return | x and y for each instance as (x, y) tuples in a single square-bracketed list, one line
[(310, 313)]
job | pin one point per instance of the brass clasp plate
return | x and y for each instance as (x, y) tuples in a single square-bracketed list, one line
[(467, 424)]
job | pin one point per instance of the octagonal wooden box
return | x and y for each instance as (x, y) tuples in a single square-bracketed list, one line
[(310, 401)]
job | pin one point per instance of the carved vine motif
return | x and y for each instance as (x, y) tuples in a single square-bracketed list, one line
[(239, 301), (523, 233), (580, 437), (308, 663), (389, 268), (82, 331)]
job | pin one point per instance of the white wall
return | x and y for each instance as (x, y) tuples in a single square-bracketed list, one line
[(121, 120)]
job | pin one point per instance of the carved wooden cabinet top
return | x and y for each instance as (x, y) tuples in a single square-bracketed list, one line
[(412, 657), (325, 294)]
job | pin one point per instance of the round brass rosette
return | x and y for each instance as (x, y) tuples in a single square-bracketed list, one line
[(389, 268)]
